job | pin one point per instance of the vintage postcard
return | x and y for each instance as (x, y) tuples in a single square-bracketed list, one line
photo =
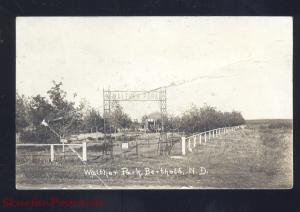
[(154, 102)]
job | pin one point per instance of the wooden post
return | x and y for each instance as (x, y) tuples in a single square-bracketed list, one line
[(195, 141), (183, 145), (208, 135), (189, 145), (122, 152), (205, 137), (111, 149), (200, 139), (137, 149), (52, 152), (213, 133), (84, 157)]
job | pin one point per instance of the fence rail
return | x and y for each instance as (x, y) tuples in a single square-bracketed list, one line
[(82, 157)]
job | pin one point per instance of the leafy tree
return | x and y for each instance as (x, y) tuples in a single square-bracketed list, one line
[(119, 118), (173, 123), (93, 121), (21, 112), (64, 115), (38, 109)]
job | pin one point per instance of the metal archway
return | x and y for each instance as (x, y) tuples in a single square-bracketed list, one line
[(110, 96)]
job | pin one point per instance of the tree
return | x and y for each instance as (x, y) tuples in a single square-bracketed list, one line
[(59, 115), (119, 118), (38, 109), (64, 115), (173, 123), (21, 113), (93, 121)]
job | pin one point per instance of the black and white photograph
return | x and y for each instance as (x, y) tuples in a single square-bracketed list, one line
[(162, 102)]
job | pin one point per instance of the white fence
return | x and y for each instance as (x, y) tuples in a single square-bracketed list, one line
[(82, 157), (188, 143)]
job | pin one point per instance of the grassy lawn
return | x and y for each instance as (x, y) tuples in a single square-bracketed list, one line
[(259, 156)]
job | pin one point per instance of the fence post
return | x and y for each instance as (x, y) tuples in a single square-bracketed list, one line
[(122, 152), (208, 135), (84, 158), (137, 149), (189, 145), (205, 137), (183, 145), (200, 139), (195, 141), (52, 152)]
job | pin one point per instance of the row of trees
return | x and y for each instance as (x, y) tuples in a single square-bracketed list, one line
[(37, 115), (198, 119), (45, 119)]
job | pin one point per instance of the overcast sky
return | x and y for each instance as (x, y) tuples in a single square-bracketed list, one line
[(232, 63)]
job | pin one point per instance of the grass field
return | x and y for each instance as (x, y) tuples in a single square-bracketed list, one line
[(259, 156)]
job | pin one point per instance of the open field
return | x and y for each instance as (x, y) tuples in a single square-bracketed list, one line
[(259, 156)]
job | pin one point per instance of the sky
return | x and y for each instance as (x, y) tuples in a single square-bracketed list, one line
[(231, 63)]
